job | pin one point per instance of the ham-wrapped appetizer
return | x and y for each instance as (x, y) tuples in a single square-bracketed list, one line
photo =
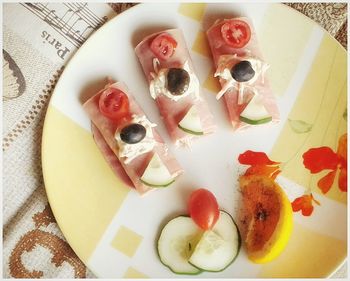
[(241, 70), (174, 85), (126, 137)]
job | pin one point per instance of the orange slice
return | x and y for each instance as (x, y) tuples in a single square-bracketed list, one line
[(266, 218)]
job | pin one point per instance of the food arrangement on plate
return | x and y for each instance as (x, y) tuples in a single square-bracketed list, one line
[(206, 238)]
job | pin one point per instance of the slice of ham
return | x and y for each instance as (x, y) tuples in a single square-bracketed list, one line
[(173, 111), (107, 129), (110, 157), (219, 48)]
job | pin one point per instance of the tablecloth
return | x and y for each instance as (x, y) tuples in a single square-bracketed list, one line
[(38, 41)]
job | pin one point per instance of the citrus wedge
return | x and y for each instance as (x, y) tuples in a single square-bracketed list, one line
[(266, 218)]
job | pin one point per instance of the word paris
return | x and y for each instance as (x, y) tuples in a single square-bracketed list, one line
[(61, 50)]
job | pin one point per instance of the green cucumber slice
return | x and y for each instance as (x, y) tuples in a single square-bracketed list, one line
[(191, 122), (176, 243), (255, 112), (218, 247), (156, 174), (255, 122)]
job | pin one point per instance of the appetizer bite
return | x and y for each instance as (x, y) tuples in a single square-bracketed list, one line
[(206, 240), (241, 72), (174, 85), (120, 127)]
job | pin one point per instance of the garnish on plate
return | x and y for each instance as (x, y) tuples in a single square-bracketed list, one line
[(266, 215), (207, 240)]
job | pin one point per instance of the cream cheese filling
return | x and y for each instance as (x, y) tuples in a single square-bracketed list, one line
[(158, 85), (131, 151), (226, 62)]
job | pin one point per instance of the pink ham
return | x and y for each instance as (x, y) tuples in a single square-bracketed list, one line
[(218, 48), (107, 128), (173, 111), (110, 157)]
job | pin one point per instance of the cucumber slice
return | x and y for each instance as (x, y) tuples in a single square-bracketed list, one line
[(218, 247), (191, 123), (255, 112), (156, 174), (176, 243)]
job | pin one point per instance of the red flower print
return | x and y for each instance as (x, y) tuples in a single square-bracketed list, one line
[(343, 162), (260, 164), (324, 158), (343, 180), (326, 182), (342, 148), (255, 158), (304, 204), (319, 159), (262, 170)]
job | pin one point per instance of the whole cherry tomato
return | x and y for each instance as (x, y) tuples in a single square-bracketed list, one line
[(203, 208)]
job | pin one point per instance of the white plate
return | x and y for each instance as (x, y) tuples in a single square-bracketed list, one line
[(114, 230)]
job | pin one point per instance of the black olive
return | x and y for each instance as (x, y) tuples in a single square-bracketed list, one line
[(178, 81), (133, 133), (242, 71)]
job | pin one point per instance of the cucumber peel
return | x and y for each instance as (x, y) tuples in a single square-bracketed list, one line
[(157, 185), (255, 112), (191, 132), (156, 173), (255, 122), (174, 249), (191, 122), (219, 247)]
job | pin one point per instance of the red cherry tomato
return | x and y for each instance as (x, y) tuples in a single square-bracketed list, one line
[(114, 104), (236, 33), (163, 46), (203, 208)]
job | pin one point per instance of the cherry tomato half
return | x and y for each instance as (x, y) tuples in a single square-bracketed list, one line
[(236, 33), (114, 104), (163, 46), (203, 208)]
